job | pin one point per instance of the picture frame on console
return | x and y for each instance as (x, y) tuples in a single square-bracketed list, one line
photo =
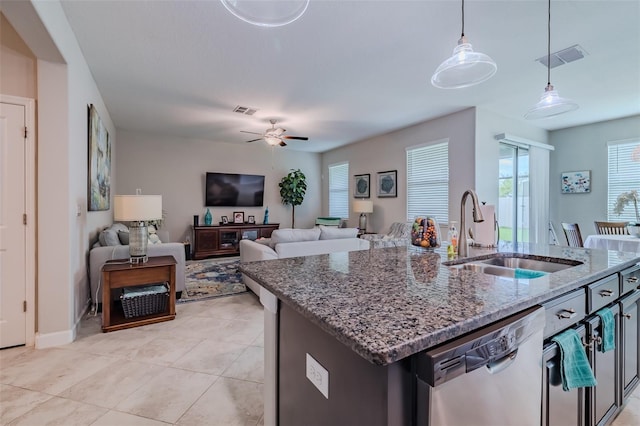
[(225, 220), (251, 219), (238, 217)]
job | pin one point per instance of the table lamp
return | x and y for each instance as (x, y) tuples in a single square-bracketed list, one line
[(137, 209), (363, 207)]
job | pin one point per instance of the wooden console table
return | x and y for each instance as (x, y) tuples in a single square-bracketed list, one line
[(118, 274), (223, 240)]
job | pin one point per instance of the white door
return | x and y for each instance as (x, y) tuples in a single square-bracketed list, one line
[(13, 281)]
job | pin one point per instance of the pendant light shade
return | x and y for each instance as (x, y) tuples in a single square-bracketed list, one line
[(267, 13), (550, 104), (465, 67)]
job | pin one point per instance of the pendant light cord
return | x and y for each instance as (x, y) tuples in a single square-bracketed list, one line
[(462, 18), (549, 44)]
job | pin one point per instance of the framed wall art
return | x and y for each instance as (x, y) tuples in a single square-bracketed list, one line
[(99, 173), (388, 184), (361, 186), (576, 182)]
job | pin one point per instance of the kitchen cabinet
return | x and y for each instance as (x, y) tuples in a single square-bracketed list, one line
[(630, 342), (223, 240)]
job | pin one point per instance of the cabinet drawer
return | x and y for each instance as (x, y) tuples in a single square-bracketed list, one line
[(629, 279), (564, 311), (603, 292)]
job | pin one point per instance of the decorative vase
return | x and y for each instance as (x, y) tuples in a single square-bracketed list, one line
[(266, 216), (207, 218), (634, 230)]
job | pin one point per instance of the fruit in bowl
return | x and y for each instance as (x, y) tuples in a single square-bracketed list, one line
[(425, 232)]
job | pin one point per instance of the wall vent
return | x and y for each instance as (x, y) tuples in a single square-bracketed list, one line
[(245, 110), (564, 56)]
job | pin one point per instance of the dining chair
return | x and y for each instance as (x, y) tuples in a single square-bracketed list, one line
[(572, 233), (612, 228)]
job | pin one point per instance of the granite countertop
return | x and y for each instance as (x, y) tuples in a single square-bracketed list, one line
[(390, 303)]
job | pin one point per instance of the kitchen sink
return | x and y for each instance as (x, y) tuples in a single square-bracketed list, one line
[(504, 265)]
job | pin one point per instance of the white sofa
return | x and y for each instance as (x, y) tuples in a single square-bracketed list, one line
[(110, 247), (286, 243)]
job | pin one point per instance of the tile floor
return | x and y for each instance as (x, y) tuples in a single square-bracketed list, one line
[(204, 368)]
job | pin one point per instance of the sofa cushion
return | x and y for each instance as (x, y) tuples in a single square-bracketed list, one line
[(124, 237), (293, 235), (109, 237), (333, 233)]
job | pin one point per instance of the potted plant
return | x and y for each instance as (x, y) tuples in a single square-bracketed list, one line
[(623, 200), (292, 189)]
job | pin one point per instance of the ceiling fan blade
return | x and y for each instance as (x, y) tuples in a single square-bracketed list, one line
[(253, 133), (254, 140), (300, 138), (282, 143)]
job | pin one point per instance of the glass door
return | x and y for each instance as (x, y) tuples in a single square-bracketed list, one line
[(513, 184)]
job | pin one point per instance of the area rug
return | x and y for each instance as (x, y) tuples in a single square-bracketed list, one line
[(210, 278)]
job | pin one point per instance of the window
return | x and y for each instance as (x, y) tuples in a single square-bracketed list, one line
[(623, 176), (339, 190), (428, 181)]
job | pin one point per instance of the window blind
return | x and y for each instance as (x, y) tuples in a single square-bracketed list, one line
[(339, 190), (428, 181), (623, 176)]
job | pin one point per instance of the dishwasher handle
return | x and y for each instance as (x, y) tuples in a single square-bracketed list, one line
[(495, 367)]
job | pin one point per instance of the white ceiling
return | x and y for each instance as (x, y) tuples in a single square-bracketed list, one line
[(348, 70)]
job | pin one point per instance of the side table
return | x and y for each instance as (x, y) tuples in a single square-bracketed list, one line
[(118, 274)]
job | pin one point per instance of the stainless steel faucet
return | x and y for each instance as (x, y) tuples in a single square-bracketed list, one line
[(477, 217)]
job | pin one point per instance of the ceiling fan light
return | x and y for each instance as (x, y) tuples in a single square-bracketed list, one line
[(550, 105), (267, 13), (271, 140), (464, 68)]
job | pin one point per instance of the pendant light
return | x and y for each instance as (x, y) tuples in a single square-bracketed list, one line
[(465, 68), (550, 104), (267, 13)]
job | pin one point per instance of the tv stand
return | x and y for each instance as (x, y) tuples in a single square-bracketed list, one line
[(223, 240)]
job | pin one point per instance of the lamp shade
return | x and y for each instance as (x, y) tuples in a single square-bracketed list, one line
[(363, 206), (131, 208), (267, 13), (464, 68), (550, 105)]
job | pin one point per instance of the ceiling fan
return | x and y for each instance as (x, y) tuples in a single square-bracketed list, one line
[(274, 136)]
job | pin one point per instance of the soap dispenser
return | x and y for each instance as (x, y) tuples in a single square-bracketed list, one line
[(452, 237)]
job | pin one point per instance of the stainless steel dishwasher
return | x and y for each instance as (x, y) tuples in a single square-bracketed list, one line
[(492, 376)]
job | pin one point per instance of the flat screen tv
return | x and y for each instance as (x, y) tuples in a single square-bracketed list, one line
[(234, 190)]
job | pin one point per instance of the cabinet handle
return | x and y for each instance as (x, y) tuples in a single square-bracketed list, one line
[(566, 313), (593, 340), (627, 316), (606, 293), (632, 279)]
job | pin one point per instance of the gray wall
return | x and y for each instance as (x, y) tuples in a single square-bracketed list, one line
[(388, 152), (175, 168), (584, 148)]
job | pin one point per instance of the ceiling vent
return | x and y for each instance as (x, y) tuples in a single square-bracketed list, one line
[(564, 56), (245, 110)]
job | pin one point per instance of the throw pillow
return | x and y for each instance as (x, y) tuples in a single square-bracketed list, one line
[(333, 233), (109, 237), (293, 236), (124, 237)]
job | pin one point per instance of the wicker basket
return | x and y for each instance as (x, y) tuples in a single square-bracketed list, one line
[(144, 300)]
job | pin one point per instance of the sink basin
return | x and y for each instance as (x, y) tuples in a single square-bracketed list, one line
[(505, 265)]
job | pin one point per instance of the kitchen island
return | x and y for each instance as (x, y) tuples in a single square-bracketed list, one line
[(367, 312)]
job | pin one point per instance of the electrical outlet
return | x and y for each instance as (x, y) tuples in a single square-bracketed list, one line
[(318, 375)]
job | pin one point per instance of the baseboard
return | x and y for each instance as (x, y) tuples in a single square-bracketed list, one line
[(58, 338)]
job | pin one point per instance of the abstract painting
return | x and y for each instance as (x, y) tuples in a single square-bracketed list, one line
[(99, 163), (576, 182)]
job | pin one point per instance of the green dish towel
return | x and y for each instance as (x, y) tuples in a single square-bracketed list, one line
[(608, 328), (574, 365), (528, 273)]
